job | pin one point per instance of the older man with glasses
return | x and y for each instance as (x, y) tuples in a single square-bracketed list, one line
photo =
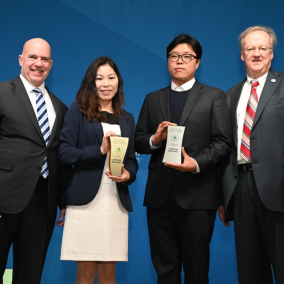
[(253, 176)]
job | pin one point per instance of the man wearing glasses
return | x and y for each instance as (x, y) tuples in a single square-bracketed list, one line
[(253, 176), (182, 199)]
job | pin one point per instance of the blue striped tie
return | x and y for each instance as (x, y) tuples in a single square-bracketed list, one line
[(43, 123)]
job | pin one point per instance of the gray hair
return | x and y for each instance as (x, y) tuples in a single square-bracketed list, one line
[(268, 30)]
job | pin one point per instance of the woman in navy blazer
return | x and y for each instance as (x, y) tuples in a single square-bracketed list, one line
[(97, 201)]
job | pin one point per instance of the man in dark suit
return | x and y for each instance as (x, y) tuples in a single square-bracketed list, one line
[(252, 177), (182, 199), (31, 179)]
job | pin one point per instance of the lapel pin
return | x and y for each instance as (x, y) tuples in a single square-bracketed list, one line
[(273, 80)]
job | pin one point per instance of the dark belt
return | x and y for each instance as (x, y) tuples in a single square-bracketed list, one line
[(245, 167)]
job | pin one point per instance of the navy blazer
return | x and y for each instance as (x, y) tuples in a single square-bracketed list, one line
[(80, 144), (266, 142)]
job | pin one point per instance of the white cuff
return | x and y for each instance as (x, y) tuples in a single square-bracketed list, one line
[(152, 147), (197, 168)]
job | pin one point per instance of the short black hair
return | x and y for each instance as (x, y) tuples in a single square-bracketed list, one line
[(185, 38)]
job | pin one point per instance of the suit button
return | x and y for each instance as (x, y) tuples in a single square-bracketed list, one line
[(235, 176), (39, 168)]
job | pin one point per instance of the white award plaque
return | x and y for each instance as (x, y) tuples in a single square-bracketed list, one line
[(118, 147), (174, 144)]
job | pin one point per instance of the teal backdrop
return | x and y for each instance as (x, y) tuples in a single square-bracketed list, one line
[(135, 34)]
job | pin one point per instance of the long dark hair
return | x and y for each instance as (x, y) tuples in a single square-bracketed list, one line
[(87, 94)]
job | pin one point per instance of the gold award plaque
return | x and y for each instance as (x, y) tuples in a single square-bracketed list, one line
[(117, 151)]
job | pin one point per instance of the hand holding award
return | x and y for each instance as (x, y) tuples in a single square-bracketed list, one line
[(174, 150), (117, 151), (174, 143)]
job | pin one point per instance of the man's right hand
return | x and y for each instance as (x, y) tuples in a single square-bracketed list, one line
[(221, 212), (161, 133)]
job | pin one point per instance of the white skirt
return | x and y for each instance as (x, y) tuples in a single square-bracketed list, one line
[(97, 231)]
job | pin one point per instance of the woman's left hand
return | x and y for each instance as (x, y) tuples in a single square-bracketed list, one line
[(125, 176)]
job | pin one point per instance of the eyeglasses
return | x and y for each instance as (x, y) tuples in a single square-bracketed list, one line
[(262, 50), (184, 57)]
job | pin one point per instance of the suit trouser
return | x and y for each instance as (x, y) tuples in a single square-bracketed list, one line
[(30, 232), (259, 235), (180, 237)]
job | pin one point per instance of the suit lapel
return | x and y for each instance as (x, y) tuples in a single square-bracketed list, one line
[(98, 130), (235, 97), (55, 104), (267, 92), (164, 96), (193, 97), (20, 92)]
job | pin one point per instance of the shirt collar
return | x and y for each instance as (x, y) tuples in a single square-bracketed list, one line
[(261, 80), (185, 87), (30, 87)]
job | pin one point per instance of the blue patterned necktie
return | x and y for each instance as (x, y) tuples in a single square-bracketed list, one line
[(43, 123)]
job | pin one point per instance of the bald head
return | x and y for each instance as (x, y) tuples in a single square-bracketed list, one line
[(36, 42), (36, 61)]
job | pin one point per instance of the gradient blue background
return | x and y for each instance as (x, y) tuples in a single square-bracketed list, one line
[(135, 34)]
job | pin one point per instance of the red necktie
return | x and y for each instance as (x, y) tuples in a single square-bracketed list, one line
[(249, 117)]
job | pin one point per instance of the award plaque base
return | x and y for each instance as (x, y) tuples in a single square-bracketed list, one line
[(117, 151)]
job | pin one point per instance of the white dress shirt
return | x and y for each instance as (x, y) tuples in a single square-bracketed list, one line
[(32, 96), (184, 87), (241, 109)]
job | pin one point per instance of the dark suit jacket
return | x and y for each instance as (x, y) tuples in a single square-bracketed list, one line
[(206, 139), (22, 150), (80, 144), (267, 145)]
